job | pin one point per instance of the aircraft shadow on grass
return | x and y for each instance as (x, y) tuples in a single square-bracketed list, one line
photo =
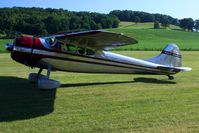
[(21, 100), (136, 80)]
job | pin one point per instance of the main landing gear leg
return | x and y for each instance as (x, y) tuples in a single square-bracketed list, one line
[(45, 83), (170, 77), (33, 77), (39, 73)]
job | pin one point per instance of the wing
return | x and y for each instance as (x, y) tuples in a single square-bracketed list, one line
[(96, 40)]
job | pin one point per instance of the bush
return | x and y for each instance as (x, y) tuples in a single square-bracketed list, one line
[(156, 25)]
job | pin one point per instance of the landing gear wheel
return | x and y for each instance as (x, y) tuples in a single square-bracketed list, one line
[(33, 77), (47, 84), (43, 82), (170, 77)]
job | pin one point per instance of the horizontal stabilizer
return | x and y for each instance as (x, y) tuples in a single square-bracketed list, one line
[(184, 69), (174, 69)]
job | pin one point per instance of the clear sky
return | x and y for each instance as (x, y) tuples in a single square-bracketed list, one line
[(175, 8)]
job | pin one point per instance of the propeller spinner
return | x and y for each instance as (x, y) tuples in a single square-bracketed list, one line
[(9, 47)]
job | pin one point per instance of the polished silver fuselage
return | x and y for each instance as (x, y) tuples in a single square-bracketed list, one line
[(43, 56), (103, 62), (85, 53)]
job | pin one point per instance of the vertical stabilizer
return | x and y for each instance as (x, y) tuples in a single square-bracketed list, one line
[(170, 56)]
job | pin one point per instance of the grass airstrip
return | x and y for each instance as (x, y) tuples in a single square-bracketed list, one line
[(101, 102)]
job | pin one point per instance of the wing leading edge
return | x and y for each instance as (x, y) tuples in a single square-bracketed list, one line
[(96, 39)]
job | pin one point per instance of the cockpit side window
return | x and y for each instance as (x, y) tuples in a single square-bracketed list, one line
[(53, 43), (78, 50), (90, 52), (71, 48), (56, 44)]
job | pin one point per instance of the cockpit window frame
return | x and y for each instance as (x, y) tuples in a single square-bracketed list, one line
[(64, 47)]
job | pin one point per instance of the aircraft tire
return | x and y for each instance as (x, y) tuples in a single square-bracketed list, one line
[(171, 77), (33, 78), (47, 84)]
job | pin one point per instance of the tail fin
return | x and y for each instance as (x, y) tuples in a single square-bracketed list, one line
[(170, 56)]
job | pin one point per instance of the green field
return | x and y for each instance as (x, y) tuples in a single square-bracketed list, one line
[(156, 39), (106, 102), (143, 25), (2, 44), (149, 38), (100, 102)]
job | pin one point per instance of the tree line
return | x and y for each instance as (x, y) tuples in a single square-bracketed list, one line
[(135, 16), (39, 21)]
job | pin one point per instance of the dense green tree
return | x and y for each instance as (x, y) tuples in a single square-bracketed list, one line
[(190, 24), (175, 22), (148, 17), (116, 22), (165, 21), (187, 24), (137, 19), (64, 24), (52, 24), (85, 22), (156, 25), (39, 21), (75, 23), (196, 25), (128, 15)]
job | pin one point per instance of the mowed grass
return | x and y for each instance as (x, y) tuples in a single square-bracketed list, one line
[(135, 25), (100, 102), (148, 25), (156, 39), (2, 44)]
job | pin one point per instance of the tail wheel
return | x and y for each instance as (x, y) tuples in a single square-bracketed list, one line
[(170, 77)]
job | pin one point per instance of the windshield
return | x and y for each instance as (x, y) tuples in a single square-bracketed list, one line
[(51, 40)]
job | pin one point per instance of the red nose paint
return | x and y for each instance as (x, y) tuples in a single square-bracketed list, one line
[(23, 50)]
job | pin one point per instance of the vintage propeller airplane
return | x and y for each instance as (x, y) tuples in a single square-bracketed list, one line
[(87, 52)]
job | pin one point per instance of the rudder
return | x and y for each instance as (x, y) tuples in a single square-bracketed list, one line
[(170, 56)]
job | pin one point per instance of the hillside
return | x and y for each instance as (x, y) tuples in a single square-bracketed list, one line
[(156, 39), (149, 38), (133, 25)]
